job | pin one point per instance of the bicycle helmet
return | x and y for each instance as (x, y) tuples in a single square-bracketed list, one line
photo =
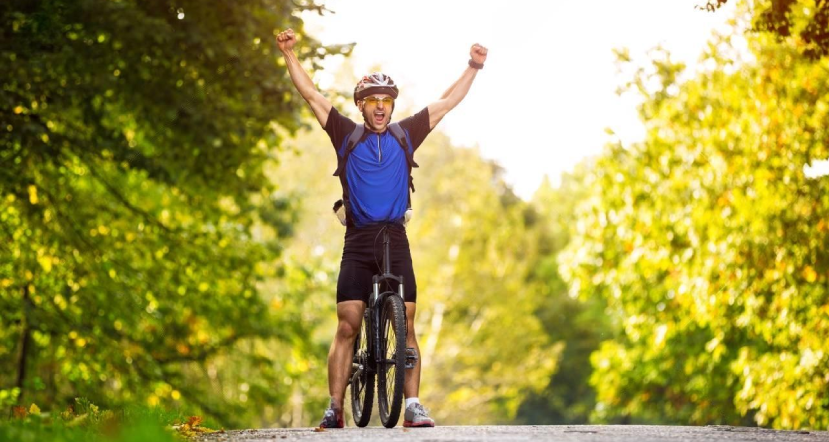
[(376, 83)]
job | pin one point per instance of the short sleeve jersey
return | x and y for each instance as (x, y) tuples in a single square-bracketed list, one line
[(377, 173)]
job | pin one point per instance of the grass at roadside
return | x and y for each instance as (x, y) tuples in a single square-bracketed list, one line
[(85, 422)]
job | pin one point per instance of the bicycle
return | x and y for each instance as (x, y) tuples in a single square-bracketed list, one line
[(380, 350)]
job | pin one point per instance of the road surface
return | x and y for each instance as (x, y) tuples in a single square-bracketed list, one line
[(521, 433)]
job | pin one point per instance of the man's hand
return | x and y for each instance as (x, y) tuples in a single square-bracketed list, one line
[(302, 81), (478, 53), (286, 40)]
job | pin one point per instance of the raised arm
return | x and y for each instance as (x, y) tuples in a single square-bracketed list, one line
[(319, 104), (456, 93)]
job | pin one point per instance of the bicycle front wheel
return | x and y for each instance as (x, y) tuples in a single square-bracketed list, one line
[(362, 379), (391, 370)]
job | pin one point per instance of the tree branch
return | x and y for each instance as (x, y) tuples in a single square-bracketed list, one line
[(114, 192)]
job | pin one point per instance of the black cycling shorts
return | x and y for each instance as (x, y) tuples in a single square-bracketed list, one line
[(363, 257)]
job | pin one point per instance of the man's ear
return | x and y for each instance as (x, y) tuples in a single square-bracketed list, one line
[(360, 105)]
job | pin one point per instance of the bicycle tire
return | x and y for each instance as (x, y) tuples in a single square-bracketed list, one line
[(362, 381), (391, 370)]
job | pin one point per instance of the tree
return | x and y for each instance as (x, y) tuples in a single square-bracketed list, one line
[(136, 219), (706, 240), (806, 22), (483, 348), (580, 325)]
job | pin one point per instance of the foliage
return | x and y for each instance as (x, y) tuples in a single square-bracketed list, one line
[(483, 348), (580, 325), (803, 22), (136, 219), (84, 421), (707, 239), (164, 242), (303, 288)]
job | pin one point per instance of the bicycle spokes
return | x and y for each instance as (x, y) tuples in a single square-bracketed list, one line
[(389, 357), (392, 359), (362, 380)]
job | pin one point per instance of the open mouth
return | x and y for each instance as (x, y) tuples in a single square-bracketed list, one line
[(379, 117)]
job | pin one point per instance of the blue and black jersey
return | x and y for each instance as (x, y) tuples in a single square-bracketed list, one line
[(377, 172)]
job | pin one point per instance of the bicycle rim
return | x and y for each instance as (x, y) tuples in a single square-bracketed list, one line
[(391, 370)]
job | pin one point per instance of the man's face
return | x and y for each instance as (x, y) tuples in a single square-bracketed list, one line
[(376, 111)]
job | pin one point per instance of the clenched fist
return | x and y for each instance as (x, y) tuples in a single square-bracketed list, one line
[(478, 53), (286, 40)]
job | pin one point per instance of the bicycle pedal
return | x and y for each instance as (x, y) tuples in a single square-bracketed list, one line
[(411, 357)]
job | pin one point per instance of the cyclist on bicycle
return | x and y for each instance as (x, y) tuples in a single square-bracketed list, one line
[(378, 186)]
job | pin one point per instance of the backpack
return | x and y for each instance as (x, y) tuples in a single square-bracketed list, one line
[(341, 207)]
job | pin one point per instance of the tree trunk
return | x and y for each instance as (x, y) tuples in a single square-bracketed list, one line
[(25, 338)]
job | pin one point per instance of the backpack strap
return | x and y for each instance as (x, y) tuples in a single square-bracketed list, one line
[(342, 207), (403, 140), (351, 143)]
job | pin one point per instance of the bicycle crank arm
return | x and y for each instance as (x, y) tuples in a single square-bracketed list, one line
[(356, 371)]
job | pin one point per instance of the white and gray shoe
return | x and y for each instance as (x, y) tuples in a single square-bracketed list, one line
[(417, 416)]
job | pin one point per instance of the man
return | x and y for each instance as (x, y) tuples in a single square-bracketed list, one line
[(376, 180)]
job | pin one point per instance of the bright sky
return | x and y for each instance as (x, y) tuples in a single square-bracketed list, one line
[(547, 92)]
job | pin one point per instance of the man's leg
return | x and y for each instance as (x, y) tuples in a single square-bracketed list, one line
[(411, 387), (415, 415), (349, 315)]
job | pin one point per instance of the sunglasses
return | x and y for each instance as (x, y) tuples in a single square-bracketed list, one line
[(387, 101)]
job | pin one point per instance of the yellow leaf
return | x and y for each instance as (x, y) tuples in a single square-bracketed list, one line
[(33, 194), (810, 274), (45, 262), (34, 409)]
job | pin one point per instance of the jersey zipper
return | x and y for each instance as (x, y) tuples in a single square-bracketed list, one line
[(379, 151)]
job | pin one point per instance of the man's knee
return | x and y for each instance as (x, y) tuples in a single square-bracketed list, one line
[(347, 329), (349, 316)]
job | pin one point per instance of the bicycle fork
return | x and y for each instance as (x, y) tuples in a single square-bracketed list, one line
[(411, 353)]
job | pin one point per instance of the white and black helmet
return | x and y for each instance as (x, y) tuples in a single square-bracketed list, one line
[(376, 83)]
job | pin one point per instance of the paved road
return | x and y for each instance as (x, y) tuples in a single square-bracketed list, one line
[(569, 433)]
